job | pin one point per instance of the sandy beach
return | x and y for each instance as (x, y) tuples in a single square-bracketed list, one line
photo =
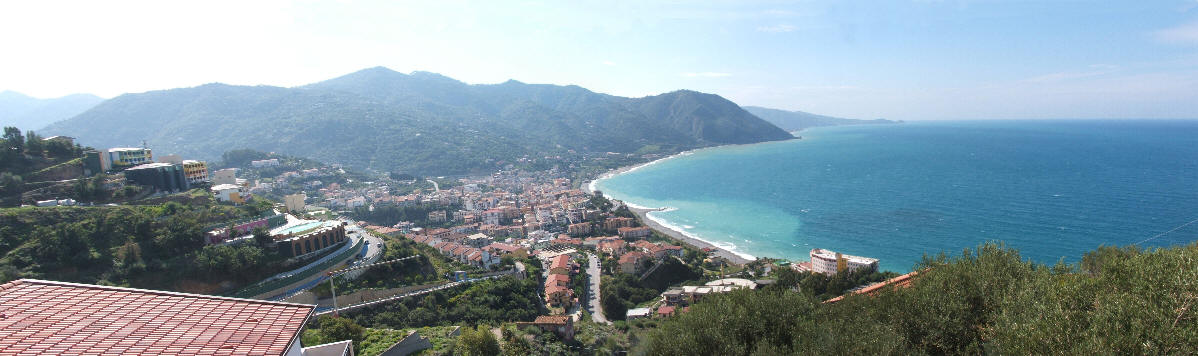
[(678, 235)]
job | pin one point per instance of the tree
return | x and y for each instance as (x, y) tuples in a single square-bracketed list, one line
[(62, 149), (514, 345), (13, 140), (11, 184), (339, 329), (476, 342), (34, 144), (736, 323), (242, 157), (787, 278), (262, 237)]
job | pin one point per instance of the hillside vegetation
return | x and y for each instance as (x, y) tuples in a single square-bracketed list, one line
[(1122, 301), (29, 164), (146, 246), (422, 123)]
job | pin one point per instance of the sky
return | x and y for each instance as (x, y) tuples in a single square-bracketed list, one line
[(909, 60)]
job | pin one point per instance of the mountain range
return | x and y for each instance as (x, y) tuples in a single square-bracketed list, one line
[(29, 113), (798, 120), (422, 122)]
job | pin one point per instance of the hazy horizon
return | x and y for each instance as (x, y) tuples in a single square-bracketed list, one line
[(921, 60)]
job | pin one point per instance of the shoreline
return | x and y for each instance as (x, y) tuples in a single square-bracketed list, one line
[(642, 213), (589, 186), (682, 237)]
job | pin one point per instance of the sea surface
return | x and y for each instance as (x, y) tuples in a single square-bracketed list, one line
[(1052, 189)]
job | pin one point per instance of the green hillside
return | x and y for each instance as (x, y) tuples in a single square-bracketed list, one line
[(423, 123), (1117, 301)]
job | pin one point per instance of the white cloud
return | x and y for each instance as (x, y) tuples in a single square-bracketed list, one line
[(706, 74), (1182, 34), (777, 28), (1093, 70), (609, 63)]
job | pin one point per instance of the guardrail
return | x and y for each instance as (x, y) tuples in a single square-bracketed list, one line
[(312, 270), (329, 310)]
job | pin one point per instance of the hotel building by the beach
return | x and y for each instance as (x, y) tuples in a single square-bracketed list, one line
[(829, 262)]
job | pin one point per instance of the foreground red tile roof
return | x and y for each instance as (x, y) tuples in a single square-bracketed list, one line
[(47, 317)]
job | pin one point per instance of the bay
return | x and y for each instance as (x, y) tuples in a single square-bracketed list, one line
[(1053, 189)]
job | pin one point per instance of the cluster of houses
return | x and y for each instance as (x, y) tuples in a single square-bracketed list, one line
[(558, 290), (632, 258), (489, 204), (679, 299), (477, 250)]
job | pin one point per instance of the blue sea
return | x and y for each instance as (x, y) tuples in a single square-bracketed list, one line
[(1054, 189)]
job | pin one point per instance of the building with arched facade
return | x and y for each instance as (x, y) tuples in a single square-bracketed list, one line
[(307, 238)]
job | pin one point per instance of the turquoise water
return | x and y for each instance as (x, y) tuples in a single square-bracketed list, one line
[(1052, 189)]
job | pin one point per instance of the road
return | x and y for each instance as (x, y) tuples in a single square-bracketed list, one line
[(375, 249), (353, 232), (596, 308), (436, 187)]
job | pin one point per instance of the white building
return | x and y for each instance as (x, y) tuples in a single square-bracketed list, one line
[(273, 162), (124, 157), (637, 313), (228, 192), (829, 262), (355, 202)]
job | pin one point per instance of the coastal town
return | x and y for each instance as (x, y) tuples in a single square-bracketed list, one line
[(612, 178), (585, 252)]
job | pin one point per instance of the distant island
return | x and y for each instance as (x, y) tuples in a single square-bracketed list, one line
[(798, 120)]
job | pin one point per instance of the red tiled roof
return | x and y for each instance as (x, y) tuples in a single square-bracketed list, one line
[(557, 279), (67, 318), (551, 290), (896, 282), (561, 261), (502, 247), (613, 244), (643, 244), (553, 319), (631, 257)]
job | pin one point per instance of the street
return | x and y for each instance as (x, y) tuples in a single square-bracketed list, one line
[(375, 249), (596, 308)]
